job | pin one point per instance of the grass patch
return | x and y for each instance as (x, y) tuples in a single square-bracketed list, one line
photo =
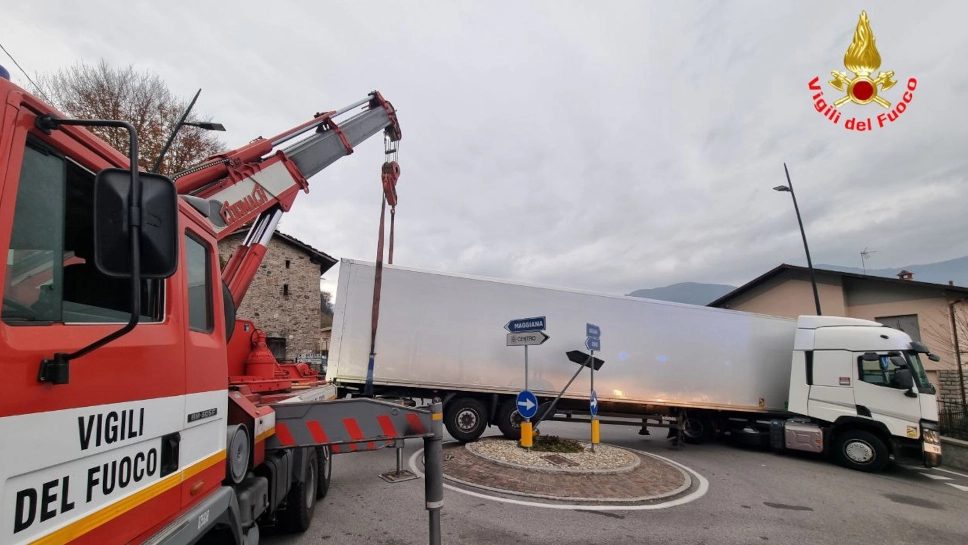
[(553, 443)]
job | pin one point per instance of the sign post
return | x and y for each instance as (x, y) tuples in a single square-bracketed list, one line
[(593, 342), (526, 332)]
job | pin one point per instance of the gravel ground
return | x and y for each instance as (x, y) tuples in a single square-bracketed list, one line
[(605, 457)]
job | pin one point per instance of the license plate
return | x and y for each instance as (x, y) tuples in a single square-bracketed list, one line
[(934, 449)]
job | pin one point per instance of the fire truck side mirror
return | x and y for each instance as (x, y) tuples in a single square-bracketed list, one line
[(159, 225)]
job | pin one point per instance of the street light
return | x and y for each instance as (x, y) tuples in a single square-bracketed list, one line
[(204, 125), (813, 276)]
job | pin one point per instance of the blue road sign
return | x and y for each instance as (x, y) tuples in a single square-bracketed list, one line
[(526, 324), (592, 331), (593, 343), (593, 404), (527, 404)]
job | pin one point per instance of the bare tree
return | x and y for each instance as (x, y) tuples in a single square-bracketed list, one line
[(140, 98), (325, 309), (939, 331)]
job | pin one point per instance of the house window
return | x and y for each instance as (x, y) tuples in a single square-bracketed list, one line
[(907, 323), (285, 290), (287, 263)]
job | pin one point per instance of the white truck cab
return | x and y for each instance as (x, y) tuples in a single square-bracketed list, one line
[(864, 393)]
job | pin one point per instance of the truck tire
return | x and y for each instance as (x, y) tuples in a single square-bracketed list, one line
[(301, 499), (697, 430), (324, 471), (509, 420), (465, 419), (860, 450)]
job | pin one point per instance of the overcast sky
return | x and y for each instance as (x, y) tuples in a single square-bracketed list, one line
[(605, 146)]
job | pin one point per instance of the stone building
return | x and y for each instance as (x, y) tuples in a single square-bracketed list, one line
[(284, 298)]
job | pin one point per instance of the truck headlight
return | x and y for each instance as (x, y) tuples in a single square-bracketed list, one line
[(931, 437)]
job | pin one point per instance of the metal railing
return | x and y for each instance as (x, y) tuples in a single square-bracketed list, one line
[(953, 418)]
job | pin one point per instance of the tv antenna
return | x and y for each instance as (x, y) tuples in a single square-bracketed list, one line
[(864, 256)]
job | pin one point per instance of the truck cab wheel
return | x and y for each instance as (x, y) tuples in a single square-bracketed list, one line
[(509, 420), (860, 450), (465, 419), (301, 499), (324, 471)]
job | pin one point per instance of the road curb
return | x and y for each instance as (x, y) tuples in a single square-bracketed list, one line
[(688, 482)]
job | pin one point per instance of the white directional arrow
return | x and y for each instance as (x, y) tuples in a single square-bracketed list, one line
[(961, 487), (527, 404), (594, 403)]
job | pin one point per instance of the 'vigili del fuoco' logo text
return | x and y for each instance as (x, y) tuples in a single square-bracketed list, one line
[(862, 59)]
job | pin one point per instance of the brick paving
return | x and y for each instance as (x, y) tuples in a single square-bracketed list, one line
[(652, 478)]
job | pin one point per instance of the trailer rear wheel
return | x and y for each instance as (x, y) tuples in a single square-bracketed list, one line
[(301, 499), (509, 419), (861, 450), (465, 419), (697, 429)]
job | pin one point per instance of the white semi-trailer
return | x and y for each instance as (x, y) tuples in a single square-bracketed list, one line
[(849, 388)]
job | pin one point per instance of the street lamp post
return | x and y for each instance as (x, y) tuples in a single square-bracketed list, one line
[(813, 276), (208, 126)]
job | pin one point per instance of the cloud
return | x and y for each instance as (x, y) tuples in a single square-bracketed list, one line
[(609, 148)]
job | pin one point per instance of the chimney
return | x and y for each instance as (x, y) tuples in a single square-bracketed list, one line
[(905, 275), (951, 282)]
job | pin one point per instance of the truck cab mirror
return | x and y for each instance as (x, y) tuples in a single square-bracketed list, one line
[(159, 224), (921, 348), (905, 380), (899, 361)]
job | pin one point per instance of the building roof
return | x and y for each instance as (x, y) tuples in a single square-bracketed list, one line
[(784, 268), (324, 260)]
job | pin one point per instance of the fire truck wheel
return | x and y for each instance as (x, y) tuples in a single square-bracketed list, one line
[(301, 500), (324, 470), (508, 419), (465, 419)]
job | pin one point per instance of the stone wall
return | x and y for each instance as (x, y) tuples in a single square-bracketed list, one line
[(283, 299), (949, 388)]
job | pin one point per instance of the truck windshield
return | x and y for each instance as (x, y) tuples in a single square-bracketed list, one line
[(917, 369)]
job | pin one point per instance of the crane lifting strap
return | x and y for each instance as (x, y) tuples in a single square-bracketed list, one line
[(389, 176)]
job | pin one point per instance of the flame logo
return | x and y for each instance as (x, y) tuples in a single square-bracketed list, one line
[(862, 57)]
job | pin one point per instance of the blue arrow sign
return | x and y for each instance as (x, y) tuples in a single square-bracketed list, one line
[(593, 343), (527, 404), (593, 404), (526, 324), (593, 331)]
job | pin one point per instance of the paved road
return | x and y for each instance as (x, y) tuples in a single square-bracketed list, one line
[(753, 497)]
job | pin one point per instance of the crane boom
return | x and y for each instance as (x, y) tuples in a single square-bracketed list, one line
[(252, 184)]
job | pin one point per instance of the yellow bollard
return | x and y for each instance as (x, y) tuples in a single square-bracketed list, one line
[(526, 434), (595, 425)]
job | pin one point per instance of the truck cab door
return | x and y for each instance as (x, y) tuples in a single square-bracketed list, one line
[(87, 458), (877, 392), (203, 438)]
